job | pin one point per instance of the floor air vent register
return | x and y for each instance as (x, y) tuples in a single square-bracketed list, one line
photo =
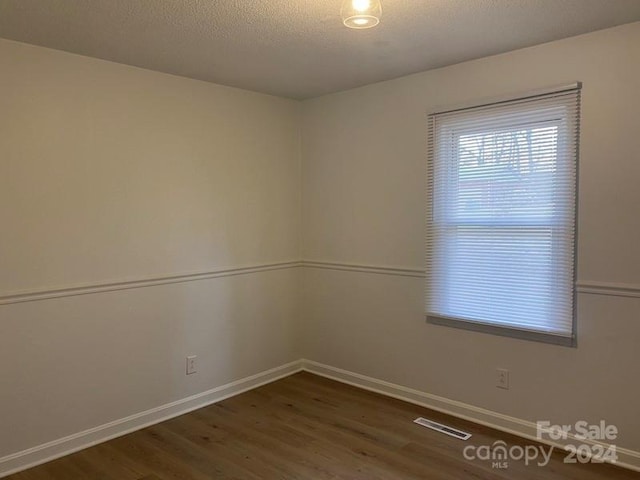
[(438, 427)]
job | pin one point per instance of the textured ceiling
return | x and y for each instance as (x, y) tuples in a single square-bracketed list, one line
[(299, 48)]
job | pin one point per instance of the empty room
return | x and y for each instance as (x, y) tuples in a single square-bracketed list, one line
[(319, 240)]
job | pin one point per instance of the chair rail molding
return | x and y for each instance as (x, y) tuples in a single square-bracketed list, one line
[(89, 288), (582, 286)]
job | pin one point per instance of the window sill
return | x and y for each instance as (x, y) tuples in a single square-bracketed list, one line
[(503, 331)]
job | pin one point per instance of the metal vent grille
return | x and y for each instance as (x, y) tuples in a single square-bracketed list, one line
[(438, 427)]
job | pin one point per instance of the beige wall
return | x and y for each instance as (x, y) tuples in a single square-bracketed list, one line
[(364, 193), (111, 173)]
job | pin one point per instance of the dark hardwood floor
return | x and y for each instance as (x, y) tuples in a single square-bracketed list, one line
[(304, 427)]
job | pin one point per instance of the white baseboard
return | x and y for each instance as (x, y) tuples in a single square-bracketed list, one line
[(629, 459), (64, 446)]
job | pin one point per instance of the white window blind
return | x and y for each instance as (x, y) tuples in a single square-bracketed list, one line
[(501, 223)]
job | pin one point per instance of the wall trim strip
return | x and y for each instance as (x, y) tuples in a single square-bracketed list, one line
[(586, 287), (614, 289), (376, 269), (628, 459), (70, 291), (79, 441)]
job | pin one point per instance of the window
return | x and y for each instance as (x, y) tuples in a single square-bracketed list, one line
[(501, 223)]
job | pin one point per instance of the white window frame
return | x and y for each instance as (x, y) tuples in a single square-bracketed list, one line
[(434, 149)]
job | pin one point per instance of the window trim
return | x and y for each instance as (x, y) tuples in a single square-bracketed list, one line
[(505, 330), (509, 98)]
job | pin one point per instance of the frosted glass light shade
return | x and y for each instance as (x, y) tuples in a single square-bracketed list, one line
[(361, 14)]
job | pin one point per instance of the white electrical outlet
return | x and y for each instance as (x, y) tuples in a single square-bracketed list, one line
[(502, 378), (191, 364)]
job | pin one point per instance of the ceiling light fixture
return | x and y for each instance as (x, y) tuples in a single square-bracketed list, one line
[(361, 14)]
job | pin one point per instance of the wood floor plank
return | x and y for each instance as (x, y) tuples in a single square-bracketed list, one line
[(306, 427)]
